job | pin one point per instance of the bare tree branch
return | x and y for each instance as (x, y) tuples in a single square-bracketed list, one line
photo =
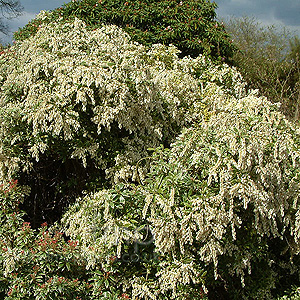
[(9, 9)]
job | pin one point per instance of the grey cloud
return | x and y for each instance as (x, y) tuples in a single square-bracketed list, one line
[(31, 9), (278, 12), (288, 12), (281, 12)]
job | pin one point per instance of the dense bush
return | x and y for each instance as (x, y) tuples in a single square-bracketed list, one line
[(189, 25), (219, 210), (213, 215), (42, 264), (80, 108)]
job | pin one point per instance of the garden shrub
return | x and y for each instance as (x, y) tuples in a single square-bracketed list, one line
[(42, 264), (80, 108), (218, 212), (189, 25), (213, 212)]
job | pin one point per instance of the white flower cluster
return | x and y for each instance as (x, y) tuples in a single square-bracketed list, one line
[(244, 163), (92, 218), (236, 171), (73, 85)]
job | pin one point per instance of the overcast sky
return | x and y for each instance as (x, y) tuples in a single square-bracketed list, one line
[(279, 12)]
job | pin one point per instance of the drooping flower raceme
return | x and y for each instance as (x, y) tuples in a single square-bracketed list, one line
[(216, 201), (211, 207), (227, 187), (90, 95)]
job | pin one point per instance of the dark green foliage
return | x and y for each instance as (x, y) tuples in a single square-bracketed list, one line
[(189, 25)]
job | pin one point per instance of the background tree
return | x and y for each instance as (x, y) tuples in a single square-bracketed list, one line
[(294, 49), (268, 58), (190, 25)]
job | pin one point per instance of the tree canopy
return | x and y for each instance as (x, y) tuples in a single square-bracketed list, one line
[(189, 25), (268, 58)]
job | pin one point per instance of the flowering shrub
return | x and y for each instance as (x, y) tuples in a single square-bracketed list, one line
[(189, 25), (41, 264), (217, 215), (227, 196), (220, 207), (293, 295), (114, 235), (79, 107)]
